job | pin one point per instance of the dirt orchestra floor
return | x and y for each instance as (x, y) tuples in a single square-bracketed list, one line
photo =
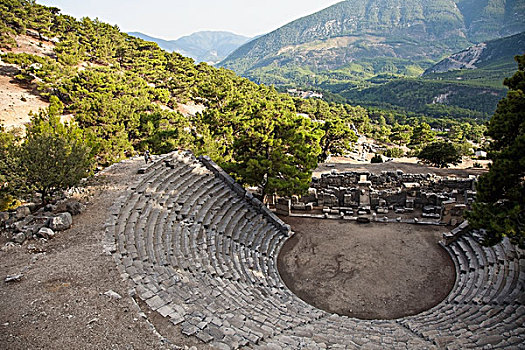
[(367, 271)]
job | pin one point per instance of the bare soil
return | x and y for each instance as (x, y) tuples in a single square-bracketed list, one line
[(60, 304), (367, 271), (407, 165), (16, 101)]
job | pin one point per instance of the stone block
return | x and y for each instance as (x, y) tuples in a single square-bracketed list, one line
[(22, 212), (299, 206), (256, 202), (239, 189), (60, 222), (381, 210), (283, 206), (363, 220)]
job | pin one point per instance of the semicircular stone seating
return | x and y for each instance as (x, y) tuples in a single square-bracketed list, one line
[(203, 253)]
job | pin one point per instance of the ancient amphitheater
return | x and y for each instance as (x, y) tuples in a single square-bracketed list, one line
[(202, 253)]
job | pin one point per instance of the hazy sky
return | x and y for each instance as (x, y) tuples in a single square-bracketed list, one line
[(172, 19)]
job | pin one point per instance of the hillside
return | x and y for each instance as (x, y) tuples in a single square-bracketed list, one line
[(206, 46), (356, 44), (353, 30), (126, 95), (483, 55), (467, 83)]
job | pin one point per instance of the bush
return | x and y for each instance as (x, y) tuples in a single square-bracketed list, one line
[(377, 158), (53, 157), (394, 152), (8, 202)]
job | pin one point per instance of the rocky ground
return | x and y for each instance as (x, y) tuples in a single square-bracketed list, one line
[(70, 295)]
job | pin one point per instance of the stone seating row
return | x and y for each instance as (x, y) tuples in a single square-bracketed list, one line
[(198, 250), (192, 251), (486, 300)]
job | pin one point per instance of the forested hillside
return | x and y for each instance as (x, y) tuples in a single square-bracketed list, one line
[(124, 93), (360, 44)]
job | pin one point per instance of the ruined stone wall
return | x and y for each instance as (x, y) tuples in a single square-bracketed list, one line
[(431, 196)]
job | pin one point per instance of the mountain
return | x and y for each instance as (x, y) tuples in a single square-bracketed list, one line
[(483, 55), (358, 39), (207, 46), (163, 44), (468, 83)]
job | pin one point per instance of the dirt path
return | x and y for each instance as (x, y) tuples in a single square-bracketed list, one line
[(60, 301), (370, 271)]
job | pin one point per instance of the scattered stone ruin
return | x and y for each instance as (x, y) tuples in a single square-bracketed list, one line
[(203, 254), (422, 198), (29, 222)]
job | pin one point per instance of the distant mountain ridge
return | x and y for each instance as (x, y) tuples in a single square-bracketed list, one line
[(206, 46), (361, 38)]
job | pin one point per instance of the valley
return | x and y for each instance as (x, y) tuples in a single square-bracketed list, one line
[(360, 51)]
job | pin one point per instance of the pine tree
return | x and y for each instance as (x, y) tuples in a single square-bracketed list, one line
[(440, 154), (53, 156), (500, 204)]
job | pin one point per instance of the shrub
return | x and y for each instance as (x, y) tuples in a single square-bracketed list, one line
[(394, 152), (377, 158)]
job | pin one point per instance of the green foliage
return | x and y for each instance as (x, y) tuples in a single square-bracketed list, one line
[(276, 155), (337, 139), (53, 157), (124, 94), (500, 203), (376, 159), (394, 152), (433, 98), (464, 148), (336, 121), (422, 135), (440, 154), (8, 168), (401, 134)]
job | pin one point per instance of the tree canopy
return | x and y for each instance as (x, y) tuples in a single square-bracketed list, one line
[(500, 203), (440, 154), (127, 95), (53, 156)]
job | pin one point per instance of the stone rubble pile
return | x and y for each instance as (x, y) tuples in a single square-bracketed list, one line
[(30, 222)]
